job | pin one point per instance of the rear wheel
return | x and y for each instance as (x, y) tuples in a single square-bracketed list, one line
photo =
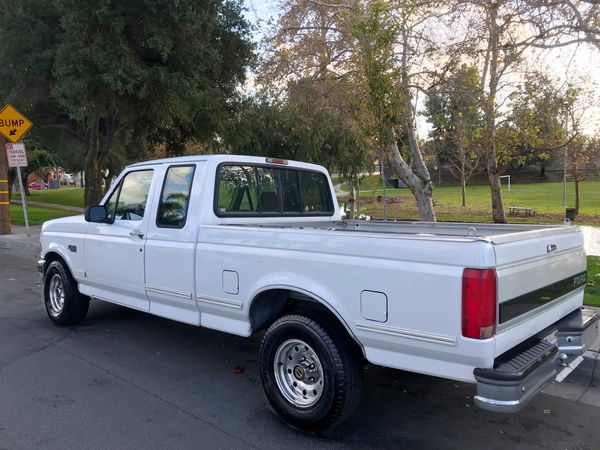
[(64, 303), (311, 376)]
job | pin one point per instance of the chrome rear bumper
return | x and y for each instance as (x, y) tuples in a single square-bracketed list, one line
[(522, 372)]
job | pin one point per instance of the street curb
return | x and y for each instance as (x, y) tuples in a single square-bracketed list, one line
[(16, 245)]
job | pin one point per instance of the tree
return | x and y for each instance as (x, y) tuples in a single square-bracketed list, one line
[(300, 128), (533, 130), (583, 161), (114, 72), (379, 28), (375, 50), (508, 29), (453, 109)]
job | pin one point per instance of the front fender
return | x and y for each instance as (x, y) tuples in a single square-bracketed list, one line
[(60, 250)]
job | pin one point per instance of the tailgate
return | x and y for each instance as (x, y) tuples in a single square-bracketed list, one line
[(538, 279)]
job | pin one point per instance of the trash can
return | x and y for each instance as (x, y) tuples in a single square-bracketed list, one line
[(53, 184), (570, 213)]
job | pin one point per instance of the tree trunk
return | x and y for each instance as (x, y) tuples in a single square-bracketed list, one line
[(497, 201), (463, 163), (498, 213), (99, 146), (414, 174), (425, 202), (352, 199), (422, 189), (576, 197), (93, 183)]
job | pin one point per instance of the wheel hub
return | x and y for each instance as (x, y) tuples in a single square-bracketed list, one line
[(56, 294), (298, 373)]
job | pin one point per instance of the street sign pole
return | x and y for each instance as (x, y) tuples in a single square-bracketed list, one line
[(23, 200), (17, 157)]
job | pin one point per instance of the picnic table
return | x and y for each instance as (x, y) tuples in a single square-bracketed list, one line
[(389, 199), (516, 210)]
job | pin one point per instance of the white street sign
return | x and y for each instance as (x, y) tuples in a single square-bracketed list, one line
[(17, 157)]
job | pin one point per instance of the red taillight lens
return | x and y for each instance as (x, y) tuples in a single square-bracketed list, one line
[(479, 303)]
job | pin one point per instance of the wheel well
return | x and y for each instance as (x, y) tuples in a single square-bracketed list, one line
[(53, 256), (270, 305)]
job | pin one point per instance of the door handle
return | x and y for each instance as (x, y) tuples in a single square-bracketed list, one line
[(137, 233)]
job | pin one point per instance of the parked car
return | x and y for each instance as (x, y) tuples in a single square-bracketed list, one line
[(243, 244), (38, 185), (69, 179)]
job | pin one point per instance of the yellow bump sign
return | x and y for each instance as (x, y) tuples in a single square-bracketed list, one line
[(13, 124)]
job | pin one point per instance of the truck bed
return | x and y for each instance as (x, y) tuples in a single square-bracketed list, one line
[(494, 233)]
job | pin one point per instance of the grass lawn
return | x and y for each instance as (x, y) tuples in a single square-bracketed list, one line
[(37, 215), (546, 198), (592, 290), (62, 196)]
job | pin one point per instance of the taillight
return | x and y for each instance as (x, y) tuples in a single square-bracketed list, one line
[(479, 303)]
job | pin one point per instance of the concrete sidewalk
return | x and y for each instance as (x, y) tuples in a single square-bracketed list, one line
[(19, 241)]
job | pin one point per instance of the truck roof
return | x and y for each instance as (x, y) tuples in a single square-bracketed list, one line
[(218, 159)]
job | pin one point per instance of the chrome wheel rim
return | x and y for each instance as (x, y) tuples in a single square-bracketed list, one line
[(56, 295), (298, 373)]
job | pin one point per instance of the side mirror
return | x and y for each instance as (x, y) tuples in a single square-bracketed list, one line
[(96, 214)]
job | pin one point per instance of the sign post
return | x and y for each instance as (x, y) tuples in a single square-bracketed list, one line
[(13, 126), (17, 157)]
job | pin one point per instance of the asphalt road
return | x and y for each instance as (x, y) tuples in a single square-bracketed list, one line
[(125, 379)]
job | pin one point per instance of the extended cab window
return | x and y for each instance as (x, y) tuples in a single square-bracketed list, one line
[(175, 197), (128, 200), (315, 192), (269, 191)]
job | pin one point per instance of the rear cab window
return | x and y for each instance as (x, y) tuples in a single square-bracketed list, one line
[(256, 190)]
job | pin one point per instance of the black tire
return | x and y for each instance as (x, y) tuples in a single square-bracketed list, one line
[(341, 372), (74, 306)]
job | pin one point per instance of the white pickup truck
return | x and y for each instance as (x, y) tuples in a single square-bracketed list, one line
[(244, 244)]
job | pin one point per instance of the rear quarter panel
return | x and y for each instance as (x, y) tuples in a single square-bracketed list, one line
[(423, 329)]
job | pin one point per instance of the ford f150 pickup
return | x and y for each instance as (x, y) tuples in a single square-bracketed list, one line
[(244, 244)]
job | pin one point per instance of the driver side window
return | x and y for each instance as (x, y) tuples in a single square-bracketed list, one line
[(128, 200)]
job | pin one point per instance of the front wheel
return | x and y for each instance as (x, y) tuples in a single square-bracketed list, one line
[(312, 377), (64, 303)]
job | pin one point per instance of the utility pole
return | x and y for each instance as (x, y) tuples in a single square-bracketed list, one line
[(4, 198), (565, 156)]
